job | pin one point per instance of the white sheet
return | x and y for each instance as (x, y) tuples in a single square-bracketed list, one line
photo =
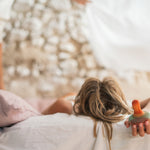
[(66, 132), (120, 33)]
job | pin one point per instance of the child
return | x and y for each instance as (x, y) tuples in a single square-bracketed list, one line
[(101, 100), (64, 106)]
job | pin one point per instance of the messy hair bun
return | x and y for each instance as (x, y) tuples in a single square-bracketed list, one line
[(102, 101)]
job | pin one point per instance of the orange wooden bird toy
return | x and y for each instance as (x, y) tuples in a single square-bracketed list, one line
[(139, 115)]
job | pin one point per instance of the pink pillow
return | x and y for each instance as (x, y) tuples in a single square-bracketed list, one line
[(14, 109)]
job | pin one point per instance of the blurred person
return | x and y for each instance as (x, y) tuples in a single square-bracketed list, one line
[(1, 70), (5, 7), (1, 66)]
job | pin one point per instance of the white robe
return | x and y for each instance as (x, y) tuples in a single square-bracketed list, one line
[(120, 33)]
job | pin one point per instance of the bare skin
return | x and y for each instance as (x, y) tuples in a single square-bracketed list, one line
[(141, 128), (1, 69), (83, 2), (62, 105)]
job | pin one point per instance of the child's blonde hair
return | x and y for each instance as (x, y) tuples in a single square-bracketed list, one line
[(102, 101)]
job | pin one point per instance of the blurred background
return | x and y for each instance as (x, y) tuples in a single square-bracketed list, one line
[(46, 52)]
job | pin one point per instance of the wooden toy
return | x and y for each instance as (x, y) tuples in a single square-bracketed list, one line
[(139, 115)]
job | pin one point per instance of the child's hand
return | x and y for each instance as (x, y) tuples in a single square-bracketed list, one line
[(140, 128), (83, 2)]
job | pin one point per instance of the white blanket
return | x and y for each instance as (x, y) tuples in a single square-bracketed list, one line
[(67, 132)]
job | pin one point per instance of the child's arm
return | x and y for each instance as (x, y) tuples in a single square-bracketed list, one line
[(63, 104), (145, 104), (60, 106), (83, 2), (1, 69)]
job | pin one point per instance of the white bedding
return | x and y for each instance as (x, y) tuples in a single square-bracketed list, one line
[(66, 132)]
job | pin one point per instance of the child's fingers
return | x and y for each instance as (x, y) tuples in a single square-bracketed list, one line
[(134, 130), (127, 123), (141, 129), (147, 126)]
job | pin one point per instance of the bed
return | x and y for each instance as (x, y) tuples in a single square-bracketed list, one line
[(67, 132)]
